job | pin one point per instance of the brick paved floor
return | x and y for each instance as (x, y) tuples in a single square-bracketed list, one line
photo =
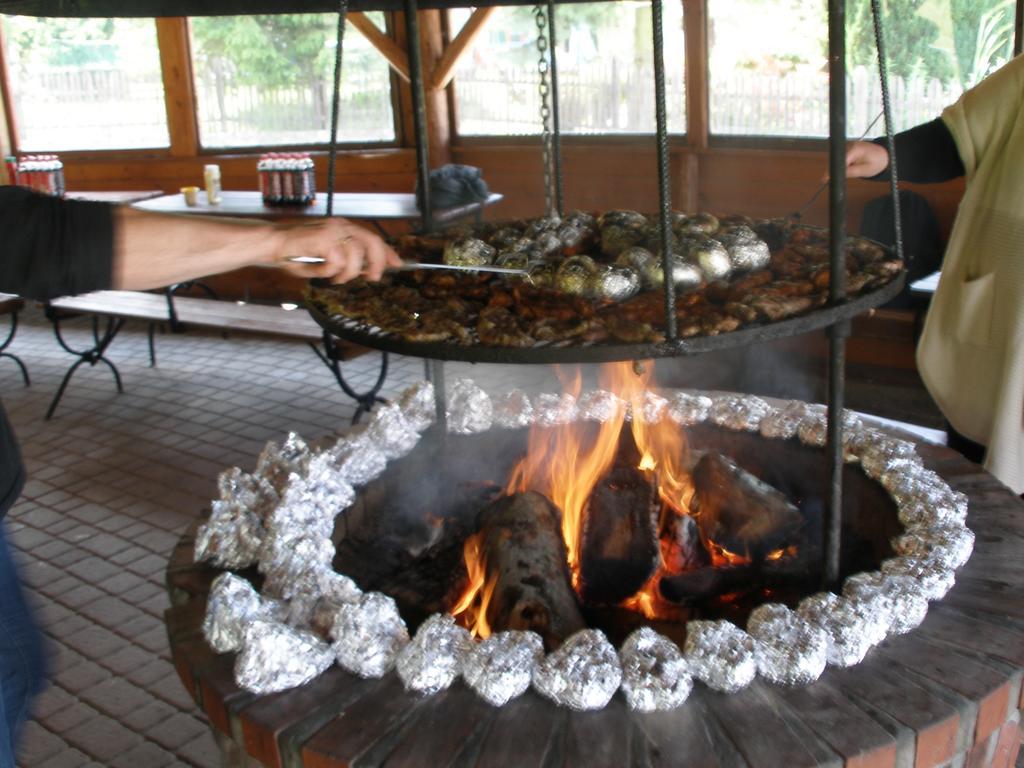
[(115, 479), (113, 482)]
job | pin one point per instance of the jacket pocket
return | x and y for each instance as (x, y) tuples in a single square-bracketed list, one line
[(975, 310)]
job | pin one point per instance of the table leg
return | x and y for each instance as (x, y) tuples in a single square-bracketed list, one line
[(93, 355), (331, 357), (6, 343)]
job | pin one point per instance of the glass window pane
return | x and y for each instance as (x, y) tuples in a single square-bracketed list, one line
[(101, 76), (769, 74), (266, 80), (605, 71)]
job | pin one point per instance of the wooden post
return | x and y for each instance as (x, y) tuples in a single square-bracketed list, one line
[(8, 123), (695, 31), (439, 133), (179, 88)]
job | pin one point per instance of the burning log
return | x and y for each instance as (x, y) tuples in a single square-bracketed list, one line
[(524, 554), (708, 581), (619, 548), (681, 547), (739, 512)]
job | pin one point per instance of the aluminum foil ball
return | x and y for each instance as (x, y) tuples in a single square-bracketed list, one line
[(655, 676), (746, 250), (696, 224), (391, 432), (636, 258), (708, 254), (813, 430), (277, 462), (685, 274), (687, 410), (501, 667), (542, 273), (782, 422), (550, 410), (508, 238), (720, 655), (612, 283), (950, 545), (276, 657), (470, 409), (233, 604), (599, 405), (357, 459), (513, 410), (907, 481), (368, 635), (513, 259), (582, 674), (621, 230), (570, 234), (468, 252), (876, 458), (739, 412), (790, 651), (908, 604), (648, 408), (548, 243), (417, 404), (232, 536), (934, 578), (542, 224), (915, 511), (574, 275), (847, 628), (434, 658)]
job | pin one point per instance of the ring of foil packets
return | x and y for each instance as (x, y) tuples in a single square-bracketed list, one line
[(258, 514)]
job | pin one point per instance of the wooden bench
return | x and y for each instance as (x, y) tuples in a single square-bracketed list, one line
[(12, 305), (115, 307)]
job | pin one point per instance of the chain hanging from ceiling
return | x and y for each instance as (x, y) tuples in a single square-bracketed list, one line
[(544, 90)]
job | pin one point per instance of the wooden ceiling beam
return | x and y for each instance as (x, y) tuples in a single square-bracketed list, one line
[(445, 69), (388, 48)]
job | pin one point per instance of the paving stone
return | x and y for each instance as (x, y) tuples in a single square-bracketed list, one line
[(146, 754), (52, 700), (111, 612), (102, 738), (155, 671), (104, 545), (38, 745), (145, 717), (95, 642), (176, 730), (70, 717), (202, 751), (93, 570), (116, 697)]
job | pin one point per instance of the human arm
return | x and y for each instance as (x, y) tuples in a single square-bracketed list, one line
[(926, 154), (153, 250)]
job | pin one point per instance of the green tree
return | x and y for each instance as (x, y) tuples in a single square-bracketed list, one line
[(910, 39), (982, 37)]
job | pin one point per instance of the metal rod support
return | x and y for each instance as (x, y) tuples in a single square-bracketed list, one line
[(556, 126), (664, 181), (837, 286), (332, 147)]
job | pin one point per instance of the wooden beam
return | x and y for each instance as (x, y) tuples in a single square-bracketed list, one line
[(9, 124), (179, 88), (432, 50), (695, 31), (387, 47), (445, 69)]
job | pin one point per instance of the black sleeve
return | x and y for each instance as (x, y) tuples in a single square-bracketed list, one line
[(924, 154), (52, 247)]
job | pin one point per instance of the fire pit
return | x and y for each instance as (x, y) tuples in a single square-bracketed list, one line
[(410, 541)]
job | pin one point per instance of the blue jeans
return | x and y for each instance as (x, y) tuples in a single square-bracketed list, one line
[(22, 657)]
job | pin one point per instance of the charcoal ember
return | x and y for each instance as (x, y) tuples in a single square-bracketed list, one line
[(417, 405), (468, 252), (908, 605), (501, 667), (357, 460), (232, 605), (655, 676), (277, 462), (789, 651), (746, 250), (813, 430), (950, 545), (513, 410), (878, 457), (687, 410), (368, 635), (391, 432), (231, 538), (720, 655), (846, 627), (934, 578), (612, 283), (550, 410), (470, 409), (739, 412), (782, 422), (434, 657), (600, 405), (583, 674), (574, 275), (276, 657), (648, 408)]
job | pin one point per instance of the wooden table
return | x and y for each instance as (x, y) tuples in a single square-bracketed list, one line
[(946, 693), (123, 197), (371, 206)]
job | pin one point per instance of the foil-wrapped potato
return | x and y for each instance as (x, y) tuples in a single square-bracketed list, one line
[(468, 252)]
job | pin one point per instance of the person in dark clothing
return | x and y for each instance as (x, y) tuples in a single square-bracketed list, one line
[(54, 247)]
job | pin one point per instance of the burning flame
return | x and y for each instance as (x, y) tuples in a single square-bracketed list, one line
[(471, 608)]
